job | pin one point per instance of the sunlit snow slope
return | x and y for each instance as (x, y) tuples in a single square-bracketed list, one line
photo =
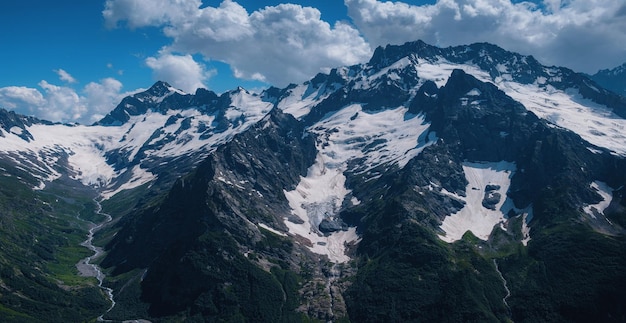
[(99, 155), (387, 138), (564, 108)]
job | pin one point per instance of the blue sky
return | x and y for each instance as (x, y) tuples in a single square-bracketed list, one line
[(73, 60)]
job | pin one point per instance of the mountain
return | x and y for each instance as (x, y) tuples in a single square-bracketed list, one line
[(612, 79), (465, 183)]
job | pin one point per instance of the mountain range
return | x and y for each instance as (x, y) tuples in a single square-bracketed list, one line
[(612, 79), (466, 183)]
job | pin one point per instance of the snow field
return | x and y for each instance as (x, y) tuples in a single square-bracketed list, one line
[(302, 99), (317, 196), (86, 146), (385, 137), (388, 137), (595, 123), (474, 216)]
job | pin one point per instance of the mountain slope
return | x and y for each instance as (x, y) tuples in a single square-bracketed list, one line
[(430, 184), (613, 79), (413, 149)]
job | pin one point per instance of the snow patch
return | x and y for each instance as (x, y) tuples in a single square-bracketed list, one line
[(526, 218), (139, 177), (606, 192), (302, 99), (474, 216), (272, 230), (474, 92), (439, 71), (16, 130)]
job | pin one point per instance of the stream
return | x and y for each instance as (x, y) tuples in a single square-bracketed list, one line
[(508, 292), (88, 269)]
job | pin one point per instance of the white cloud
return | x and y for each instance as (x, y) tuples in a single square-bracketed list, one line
[(181, 71), (278, 44), (148, 12), (63, 104), (585, 35), (101, 98), (16, 97), (65, 76)]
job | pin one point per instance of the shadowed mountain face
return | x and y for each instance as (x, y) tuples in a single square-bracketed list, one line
[(612, 79), (430, 184)]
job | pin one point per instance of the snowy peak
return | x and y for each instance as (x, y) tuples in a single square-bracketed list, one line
[(136, 143), (160, 89), (385, 56), (557, 94), (160, 97), (13, 123), (347, 177), (613, 79)]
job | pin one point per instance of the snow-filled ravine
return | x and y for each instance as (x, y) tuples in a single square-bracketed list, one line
[(320, 195), (389, 137), (606, 192), (486, 182)]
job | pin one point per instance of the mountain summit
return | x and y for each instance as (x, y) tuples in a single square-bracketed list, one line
[(612, 79), (465, 183)]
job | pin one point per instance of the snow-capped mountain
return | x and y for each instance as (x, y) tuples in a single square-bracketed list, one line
[(434, 184), (161, 130), (613, 79)]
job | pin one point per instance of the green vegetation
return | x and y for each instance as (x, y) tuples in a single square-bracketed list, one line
[(219, 284), (40, 234), (412, 276), (124, 202), (570, 274)]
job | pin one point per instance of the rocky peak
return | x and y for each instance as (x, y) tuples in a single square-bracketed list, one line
[(12, 122), (158, 89), (390, 54), (613, 79)]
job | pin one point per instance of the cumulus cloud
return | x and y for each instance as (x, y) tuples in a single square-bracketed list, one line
[(62, 103), (181, 71), (100, 98), (277, 44), (585, 35), (65, 76), (16, 97), (148, 12)]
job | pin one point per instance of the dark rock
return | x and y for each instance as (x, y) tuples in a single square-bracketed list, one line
[(492, 197), (329, 226)]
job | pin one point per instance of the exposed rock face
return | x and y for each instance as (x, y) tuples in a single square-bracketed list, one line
[(612, 79), (222, 227), (492, 197), (239, 228)]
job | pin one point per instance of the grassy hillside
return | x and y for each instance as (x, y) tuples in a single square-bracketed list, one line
[(40, 235)]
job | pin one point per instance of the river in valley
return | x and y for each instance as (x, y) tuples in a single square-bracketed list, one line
[(85, 266)]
